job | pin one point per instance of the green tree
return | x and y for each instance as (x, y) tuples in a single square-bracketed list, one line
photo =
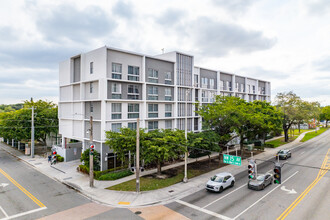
[(325, 114), (206, 140), (159, 146), (96, 159)]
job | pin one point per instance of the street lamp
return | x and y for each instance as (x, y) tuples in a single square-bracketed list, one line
[(185, 178)]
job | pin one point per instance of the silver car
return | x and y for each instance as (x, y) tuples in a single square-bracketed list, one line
[(261, 181), (220, 181), (283, 154)]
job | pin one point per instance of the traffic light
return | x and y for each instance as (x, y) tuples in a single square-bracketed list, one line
[(53, 161), (92, 149), (252, 169), (277, 173)]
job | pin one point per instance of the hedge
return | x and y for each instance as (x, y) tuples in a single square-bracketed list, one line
[(269, 145), (59, 158), (99, 174), (115, 175)]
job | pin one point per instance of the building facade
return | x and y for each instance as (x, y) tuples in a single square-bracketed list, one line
[(116, 87)]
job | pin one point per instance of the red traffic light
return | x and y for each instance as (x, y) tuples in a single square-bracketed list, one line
[(54, 152), (92, 146), (249, 166), (276, 170)]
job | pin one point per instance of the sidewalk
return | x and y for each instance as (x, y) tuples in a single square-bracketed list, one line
[(67, 173)]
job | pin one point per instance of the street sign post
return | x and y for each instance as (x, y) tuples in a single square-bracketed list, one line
[(230, 159)]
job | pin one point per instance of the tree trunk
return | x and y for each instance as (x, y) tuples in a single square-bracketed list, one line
[(326, 123), (241, 146), (299, 127), (159, 168), (286, 135)]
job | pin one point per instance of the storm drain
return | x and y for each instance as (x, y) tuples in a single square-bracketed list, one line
[(171, 191), (137, 212)]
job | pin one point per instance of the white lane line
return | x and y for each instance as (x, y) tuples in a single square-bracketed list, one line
[(224, 196), (264, 196), (3, 211), (24, 213), (302, 152), (203, 210)]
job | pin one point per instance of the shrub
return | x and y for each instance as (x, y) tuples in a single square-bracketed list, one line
[(269, 145), (84, 169), (257, 143), (116, 175), (59, 158), (96, 160)]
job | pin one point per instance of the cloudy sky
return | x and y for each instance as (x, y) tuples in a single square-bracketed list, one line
[(284, 42)]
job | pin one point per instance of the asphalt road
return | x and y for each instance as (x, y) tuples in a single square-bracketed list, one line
[(311, 185), (26, 193)]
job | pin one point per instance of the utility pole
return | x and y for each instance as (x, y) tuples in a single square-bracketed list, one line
[(91, 159), (32, 133), (185, 178), (137, 156)]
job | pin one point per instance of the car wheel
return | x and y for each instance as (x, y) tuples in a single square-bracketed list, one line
[(232, 183), (221, 189), (263, 186)]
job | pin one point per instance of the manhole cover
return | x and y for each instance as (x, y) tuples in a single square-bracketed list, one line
[(138, 212), (171, 191)]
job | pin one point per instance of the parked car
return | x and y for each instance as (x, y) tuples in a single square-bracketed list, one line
[(261, 181), (283, 154), (220, 181)]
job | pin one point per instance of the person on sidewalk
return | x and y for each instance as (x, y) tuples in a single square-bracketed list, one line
[(49, 158)]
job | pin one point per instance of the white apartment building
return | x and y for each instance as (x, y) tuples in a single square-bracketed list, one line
[(116, 87)]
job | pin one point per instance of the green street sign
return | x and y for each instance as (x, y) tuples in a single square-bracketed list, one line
[(232, 160)]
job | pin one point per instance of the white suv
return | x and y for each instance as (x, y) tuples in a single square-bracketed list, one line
[(220, 181)]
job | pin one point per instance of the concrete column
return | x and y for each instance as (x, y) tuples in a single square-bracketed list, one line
[(19, 145), (12, 142)]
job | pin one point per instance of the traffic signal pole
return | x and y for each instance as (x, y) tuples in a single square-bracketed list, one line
[(137, 155), (91, 159), (32, 133)]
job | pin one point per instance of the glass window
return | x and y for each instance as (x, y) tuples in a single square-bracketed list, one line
[(168, 110), (91, 64), (116, 110), (116, 127), (152, 93), (152, 110), (116, 70), (152, 125), (133, 92), (168, 124), (91, 107), (91, 87), (204, 96), (152, 75), (133, 73), (168, 94), (212, 84), (116, 90), (168, 77), (204, 82), (196, 80), (222, 85), (133, 110), (132, 125)]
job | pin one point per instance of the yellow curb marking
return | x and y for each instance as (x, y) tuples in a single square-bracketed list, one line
[(124, 203), (34, 199), (324, 169)]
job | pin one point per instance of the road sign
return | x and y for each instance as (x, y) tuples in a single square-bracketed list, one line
[(232, 160)]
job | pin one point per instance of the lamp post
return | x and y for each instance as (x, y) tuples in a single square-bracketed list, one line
[(185, 178)]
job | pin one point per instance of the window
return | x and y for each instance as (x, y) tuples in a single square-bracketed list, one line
[(91, 107), (242, 88), (211, 96), (133, 92), (204, 96), (152, 125), (212, 84), (152, 93), (133, 73), (168, 94), (153, 110), (91, 64), (253, 89), (195, 124), (236, 87), (222, 85), (204, 82), (168, 124), (116, 110), (168, 110), (91, 87), (116, 127), (168, 78), (152, 75), (196, 80), (132, 125), (116, 70), (249, 89), (133, 111), (116, 90)]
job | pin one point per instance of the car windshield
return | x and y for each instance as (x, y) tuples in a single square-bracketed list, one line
[(260, 178), (216, 179), (281, 152)]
